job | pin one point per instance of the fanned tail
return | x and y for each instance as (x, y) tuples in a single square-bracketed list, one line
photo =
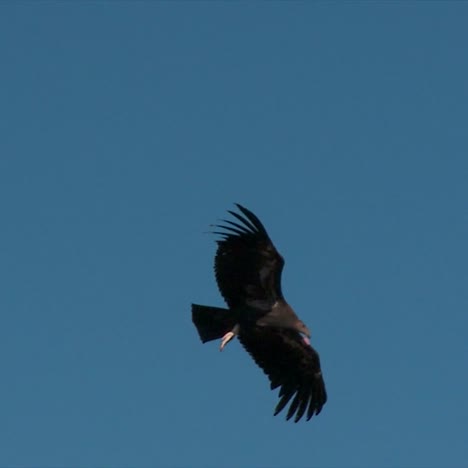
[(212, 323)]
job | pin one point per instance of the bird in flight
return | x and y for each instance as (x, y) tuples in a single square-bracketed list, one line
[(248, 272)]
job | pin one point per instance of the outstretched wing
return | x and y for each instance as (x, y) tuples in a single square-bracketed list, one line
[(290, 364), (247, 265)]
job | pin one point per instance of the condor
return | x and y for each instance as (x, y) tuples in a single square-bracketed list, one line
[(248, 272)]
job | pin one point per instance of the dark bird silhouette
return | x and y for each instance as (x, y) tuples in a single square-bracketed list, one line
[(248, 272)]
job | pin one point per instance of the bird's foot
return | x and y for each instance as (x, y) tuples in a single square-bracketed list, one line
[(226, 339), (229, 336)]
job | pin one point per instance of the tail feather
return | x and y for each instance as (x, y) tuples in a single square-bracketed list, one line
[(212, 323)]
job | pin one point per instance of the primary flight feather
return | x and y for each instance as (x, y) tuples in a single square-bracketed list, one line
[(248, 272)]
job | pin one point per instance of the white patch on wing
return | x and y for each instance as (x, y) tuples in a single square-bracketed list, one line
[(259, 304)]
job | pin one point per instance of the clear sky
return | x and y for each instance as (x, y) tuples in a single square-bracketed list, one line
[(127, 128)]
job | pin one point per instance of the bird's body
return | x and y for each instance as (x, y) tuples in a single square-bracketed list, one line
[(248, 272)]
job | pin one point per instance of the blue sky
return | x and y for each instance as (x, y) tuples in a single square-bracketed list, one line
[(127, 128)]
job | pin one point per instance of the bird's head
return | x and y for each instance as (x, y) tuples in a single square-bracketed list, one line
[(304, 331)]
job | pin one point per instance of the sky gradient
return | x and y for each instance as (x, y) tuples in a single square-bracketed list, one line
[(128, 128)]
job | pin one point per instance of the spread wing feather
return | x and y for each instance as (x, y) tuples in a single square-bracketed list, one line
[(247, 265), (291, 364)]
